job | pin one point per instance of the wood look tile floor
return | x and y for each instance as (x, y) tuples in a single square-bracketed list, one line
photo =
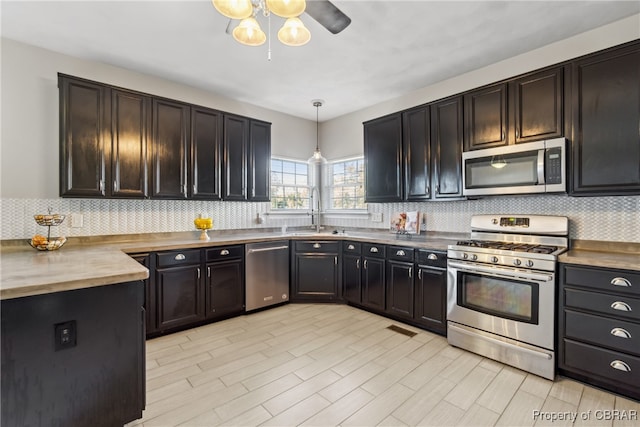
[(327, 365)]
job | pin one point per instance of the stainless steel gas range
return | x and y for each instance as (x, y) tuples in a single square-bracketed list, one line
[(501, 289)]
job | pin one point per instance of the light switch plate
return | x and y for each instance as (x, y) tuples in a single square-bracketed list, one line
[(376, 216), (77, 220)]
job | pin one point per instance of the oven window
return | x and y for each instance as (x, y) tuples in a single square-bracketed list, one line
[(510, 299)]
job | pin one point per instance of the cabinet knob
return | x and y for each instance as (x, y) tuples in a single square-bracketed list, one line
[(351, 247), (621, 281), (620, 366), (621, 306), (620, 333), (224, 252), (373, 250), (316, 245), (432, 257), (180, 257), (400, 253)]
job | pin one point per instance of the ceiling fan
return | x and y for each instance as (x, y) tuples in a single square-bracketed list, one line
[(293, 32)]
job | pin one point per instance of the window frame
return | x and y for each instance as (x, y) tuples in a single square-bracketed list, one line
[(289, 210), (329, 185)]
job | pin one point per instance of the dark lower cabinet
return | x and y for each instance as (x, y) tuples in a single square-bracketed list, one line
[(97, 380), (179, 289), (599, 327), (373, 276), (352, 272), (399, 282), (150, 304), (315, 271), (225, 281), (431, 290)]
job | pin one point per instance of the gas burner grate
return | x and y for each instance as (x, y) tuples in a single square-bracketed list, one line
[(509, 246)]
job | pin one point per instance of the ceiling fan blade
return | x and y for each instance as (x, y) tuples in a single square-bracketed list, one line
[(328, 15)]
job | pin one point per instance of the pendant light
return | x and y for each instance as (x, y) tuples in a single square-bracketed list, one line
[(317, 156)]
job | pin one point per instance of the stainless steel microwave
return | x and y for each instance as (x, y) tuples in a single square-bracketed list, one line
[(533, 167)]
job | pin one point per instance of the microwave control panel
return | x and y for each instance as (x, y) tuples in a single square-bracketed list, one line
[(553, 166)]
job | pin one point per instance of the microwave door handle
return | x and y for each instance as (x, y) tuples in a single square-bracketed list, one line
[(541, 155)]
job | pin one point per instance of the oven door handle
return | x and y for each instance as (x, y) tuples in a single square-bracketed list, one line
[(496, 272)]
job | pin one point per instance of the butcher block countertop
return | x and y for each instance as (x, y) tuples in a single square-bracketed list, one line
[(103, 260)]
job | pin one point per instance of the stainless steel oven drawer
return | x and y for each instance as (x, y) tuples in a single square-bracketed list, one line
[(613, 305), (617, 281), (612, 333), (593, 361)]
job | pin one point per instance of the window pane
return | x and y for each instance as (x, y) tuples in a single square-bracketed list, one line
[(347, 189), (276, 165), (302, 180), (288, 179), (302, 169), (288, 167)]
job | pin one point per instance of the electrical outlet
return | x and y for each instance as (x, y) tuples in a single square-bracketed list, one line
[(65, 335), (77, 220), (376, 216)]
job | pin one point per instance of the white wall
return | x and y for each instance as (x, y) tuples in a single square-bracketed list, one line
[(343, 136), (29, 137)]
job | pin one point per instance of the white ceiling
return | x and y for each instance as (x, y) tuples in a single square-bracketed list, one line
[(391, 47)]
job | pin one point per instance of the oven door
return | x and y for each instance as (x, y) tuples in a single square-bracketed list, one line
[(510, 302)]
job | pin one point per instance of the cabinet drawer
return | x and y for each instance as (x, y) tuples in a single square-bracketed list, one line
[(174, 258), (317, 246), (615, 367), (225, 252), (351, 247), (400, 253), (615, 334), (373, 250), (618, 281), (613, 305), (432, 258)]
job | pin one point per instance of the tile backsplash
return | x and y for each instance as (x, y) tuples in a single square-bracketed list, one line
[(591, 218)]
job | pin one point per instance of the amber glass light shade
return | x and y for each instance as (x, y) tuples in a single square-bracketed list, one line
[(234, 9), (287, 8), (249, 32), (294, 33)]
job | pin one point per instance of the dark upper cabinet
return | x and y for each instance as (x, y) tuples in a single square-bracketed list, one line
[(446, 148), (538, 106), (206, 154), (235, 143), (485, 112), (259, 165), (416, 154), (606, 120), (170, 148), (383, 159), (84, 139), (130, 123)]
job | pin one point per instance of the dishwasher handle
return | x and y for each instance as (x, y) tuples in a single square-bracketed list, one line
[(271, 248)]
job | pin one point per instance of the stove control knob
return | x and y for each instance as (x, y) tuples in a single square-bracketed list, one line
[(465, 255), (494, 259), (529, 263), (517, 262), (474, 257)]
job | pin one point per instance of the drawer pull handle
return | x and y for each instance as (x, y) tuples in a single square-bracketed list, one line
[(224, 252), (620, 365), (621, 281), (432, 256), (621, 306), (400, 253), (316, 245), (180, 257), (374, 250), (621, 333), (351, 247)]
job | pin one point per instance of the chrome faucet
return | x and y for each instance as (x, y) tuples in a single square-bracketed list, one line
[(315, 213)]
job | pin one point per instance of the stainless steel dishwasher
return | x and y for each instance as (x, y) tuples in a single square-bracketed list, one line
[(267, 274)]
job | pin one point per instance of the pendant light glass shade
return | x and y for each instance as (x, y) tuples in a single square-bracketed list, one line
[(287, 8), (248, 32), (234, 9), (317, 156), (294, 33)]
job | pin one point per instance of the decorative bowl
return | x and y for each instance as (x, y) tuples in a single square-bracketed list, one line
[(48, 220), (47, 245)]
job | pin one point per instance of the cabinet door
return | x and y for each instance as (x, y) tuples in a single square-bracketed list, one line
[(130, 121), (415, 139), (430, 298), (225, 288), (400, 292), (259, 168), (206, 159), (235, 143), (84, 127), (170, 145), (446, 148), (351, 278), (180, 296), (316, 277), (149, 293), (485, 112), (373, 292), (606, 113), (383, 159), (538, 106)]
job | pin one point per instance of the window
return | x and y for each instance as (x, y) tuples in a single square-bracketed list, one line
[(289, 184), (347, 184)]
